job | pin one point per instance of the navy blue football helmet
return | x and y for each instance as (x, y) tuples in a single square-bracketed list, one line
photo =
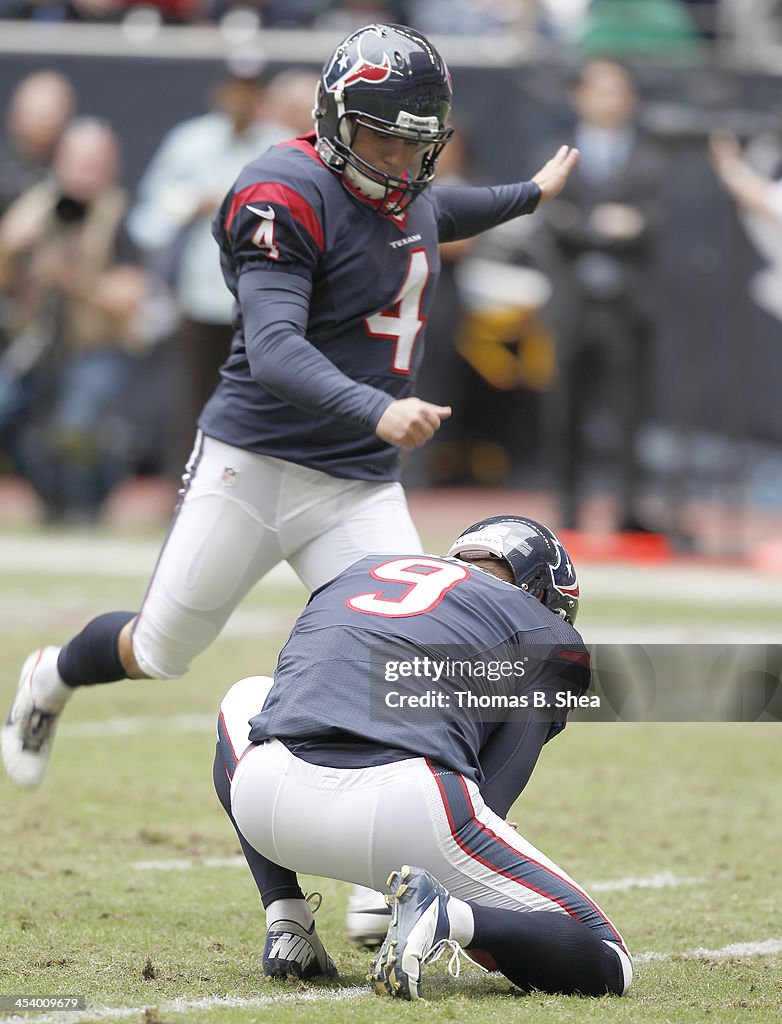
[(390, 79), (538, 560)]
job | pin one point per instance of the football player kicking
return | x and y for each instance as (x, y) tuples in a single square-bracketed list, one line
[(329, 244), (343, 774)]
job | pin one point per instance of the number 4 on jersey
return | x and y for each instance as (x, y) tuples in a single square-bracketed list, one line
[(263, 235), (402, 321)]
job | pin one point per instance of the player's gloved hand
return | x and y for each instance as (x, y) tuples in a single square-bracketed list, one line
[(554, 173), (411, 422)]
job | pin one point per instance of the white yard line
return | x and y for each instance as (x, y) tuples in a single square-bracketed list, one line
[(764, 947), (660, 880), (315, 995), (185, 864), (138, 726)]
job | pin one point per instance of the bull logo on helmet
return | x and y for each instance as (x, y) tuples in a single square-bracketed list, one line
[(363, 65), (563, 574)]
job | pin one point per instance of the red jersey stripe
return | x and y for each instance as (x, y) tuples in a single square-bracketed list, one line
[(579, 657), (305, 144), (508, 872), (275, 192)]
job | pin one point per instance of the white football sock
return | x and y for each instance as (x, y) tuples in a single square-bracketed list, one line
[(49, 691), (289, 910), (461, 920)]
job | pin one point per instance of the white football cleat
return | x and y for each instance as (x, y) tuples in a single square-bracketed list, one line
[(28, 733), (292, 951), (368, 917), (418, 933)]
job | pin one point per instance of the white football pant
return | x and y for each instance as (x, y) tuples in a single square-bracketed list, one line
[(359, 824), (240, 515)]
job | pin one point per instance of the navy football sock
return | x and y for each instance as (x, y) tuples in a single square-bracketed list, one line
[(93, 655), (546, 951), (273, 882)]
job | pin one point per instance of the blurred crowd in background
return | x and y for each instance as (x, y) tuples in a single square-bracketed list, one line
[(454, 17), (114, 319)]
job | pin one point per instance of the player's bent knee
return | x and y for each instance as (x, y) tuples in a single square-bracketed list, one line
[(244, 700), (250, 692), (154, 660), (166, 637), (127, 655)]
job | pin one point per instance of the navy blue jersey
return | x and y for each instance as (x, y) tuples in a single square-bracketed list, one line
[(332, 301), (329, 699)]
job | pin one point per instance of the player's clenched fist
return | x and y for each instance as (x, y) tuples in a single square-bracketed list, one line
[(411, 422)]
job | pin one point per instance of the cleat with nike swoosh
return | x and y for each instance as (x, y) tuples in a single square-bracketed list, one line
[(292, 951)]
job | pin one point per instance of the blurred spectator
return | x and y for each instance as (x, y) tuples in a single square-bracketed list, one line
[(283, 14), (76, 300), (463, 17), (600, 246), (753, 26), (346, 15), (290, 13), (184, 184), (40, 107), (758, 194), (61, 10), (455, 17), (290, 97), (753, 191), (169, 12)]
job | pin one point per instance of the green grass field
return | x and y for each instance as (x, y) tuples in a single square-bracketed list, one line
[(119, 878)]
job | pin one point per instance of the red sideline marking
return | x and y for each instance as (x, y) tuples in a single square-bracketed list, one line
[(616, 547), (767, 557)]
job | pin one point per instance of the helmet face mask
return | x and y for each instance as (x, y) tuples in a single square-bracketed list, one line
[(386, 79), (538, 560)]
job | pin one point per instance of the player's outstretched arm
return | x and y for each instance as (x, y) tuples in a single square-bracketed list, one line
[(552, 176), (464, 211), (411, 422)]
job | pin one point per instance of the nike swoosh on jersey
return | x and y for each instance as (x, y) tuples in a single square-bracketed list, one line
[(267, 214)]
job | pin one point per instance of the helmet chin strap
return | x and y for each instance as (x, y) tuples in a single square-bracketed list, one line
[(323, 145), (339, 100), (358, 180), (364, 184)]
